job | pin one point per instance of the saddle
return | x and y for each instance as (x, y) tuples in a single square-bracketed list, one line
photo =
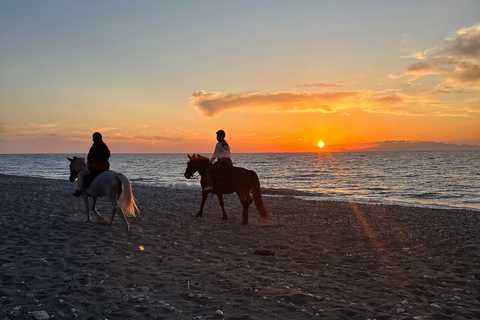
[(221, 175), (95, 167)]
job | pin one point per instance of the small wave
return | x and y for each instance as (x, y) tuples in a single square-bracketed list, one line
[(425, 195), (308, 175), (377, 189), (137, 179), (435, 195), (287, 192), (182, 185)]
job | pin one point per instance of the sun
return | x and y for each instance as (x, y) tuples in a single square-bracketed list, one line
[(321, 144)]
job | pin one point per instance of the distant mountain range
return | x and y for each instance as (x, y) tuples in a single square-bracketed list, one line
[(406, 145)]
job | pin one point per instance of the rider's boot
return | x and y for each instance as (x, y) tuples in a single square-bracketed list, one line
[(208, 188)]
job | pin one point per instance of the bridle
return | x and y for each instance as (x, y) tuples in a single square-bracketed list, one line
[(74, 173), (193, 175)]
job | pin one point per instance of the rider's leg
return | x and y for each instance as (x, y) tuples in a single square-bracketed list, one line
[(81, 175), (209, 177)]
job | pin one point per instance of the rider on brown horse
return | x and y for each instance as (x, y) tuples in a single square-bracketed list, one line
[(222, 154), (97, 161)]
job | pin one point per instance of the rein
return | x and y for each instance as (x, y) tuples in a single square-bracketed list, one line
[(195, 175)]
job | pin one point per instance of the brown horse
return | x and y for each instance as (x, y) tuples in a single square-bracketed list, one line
[(238, 180)]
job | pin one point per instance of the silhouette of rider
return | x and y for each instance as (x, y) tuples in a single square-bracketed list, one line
[(97, 161), (222, 154)]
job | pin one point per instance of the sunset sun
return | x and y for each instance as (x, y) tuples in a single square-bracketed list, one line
[(321, 144)]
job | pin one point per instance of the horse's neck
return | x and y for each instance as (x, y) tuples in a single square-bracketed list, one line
[(81, 164), (202, 170)]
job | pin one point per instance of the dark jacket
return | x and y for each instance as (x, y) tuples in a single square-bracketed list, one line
[(98, 157)]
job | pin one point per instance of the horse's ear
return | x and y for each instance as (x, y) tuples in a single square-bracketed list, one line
[(189, 157), (70, 159)]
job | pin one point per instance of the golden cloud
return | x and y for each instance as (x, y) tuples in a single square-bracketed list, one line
[(211, 104)]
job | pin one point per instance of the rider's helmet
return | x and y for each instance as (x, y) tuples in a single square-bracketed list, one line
[(97, 137), (221, 134)]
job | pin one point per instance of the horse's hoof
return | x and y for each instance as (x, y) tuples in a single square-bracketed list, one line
[(224, 218), (198, 215), (88, 220), (103, 220), (244, 223)]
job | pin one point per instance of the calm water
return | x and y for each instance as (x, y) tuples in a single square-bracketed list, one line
[(435, 179)]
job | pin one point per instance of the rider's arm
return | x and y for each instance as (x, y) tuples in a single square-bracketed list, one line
[(215, 153)]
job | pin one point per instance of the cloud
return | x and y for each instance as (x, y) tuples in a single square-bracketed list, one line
[(422, 54), (211, 104), (28, 129), (398, 102), (457, 61), (421, 69), (475, 110), (407, 145), (320, 84)]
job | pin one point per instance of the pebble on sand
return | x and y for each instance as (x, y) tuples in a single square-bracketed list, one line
[(40, 315)]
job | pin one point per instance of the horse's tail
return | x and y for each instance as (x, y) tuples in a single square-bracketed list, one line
[(263, 209), (125, 198)]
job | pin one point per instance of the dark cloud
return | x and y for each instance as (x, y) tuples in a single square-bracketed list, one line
[(458, 61)]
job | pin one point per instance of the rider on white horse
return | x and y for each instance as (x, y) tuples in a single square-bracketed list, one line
[(97, 160)]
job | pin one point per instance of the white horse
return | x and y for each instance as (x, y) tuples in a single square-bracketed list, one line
[(115, 186)]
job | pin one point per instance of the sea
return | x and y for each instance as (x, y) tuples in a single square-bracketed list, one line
[(434, 179)]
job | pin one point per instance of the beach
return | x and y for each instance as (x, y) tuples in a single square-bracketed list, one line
[(312, 260)]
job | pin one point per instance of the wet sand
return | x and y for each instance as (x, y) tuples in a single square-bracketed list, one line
[(313, 260)]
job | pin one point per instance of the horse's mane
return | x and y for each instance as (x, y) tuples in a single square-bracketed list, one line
[(81, 158), (197, 157)]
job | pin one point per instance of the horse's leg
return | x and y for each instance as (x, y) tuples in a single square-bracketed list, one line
[(116, 207), (246, 200), (220, 201), (85, 199), (204, 199), (94, 208)]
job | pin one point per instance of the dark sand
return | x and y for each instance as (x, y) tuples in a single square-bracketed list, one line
[(332, 260)]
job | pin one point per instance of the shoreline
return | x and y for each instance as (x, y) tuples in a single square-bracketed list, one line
[(313, 260), (291, 193)]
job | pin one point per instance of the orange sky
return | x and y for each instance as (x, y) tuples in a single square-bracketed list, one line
[(164, 77)]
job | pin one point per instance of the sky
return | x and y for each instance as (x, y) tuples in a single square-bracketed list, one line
[(276, 76)]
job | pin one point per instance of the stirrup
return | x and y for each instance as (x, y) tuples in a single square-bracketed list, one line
[(208, 188)]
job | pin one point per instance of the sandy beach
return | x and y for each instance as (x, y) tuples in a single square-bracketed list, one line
[(313, 260)]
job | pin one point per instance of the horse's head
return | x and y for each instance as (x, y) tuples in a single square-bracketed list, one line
[(76, 164), (196, 163)]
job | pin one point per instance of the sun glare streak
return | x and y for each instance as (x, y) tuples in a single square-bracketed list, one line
[(395, 274)]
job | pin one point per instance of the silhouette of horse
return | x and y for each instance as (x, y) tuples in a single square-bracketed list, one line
[(238, 180), (115, 186)]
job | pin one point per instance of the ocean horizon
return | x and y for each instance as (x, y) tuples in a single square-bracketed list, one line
[(436, 179)]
